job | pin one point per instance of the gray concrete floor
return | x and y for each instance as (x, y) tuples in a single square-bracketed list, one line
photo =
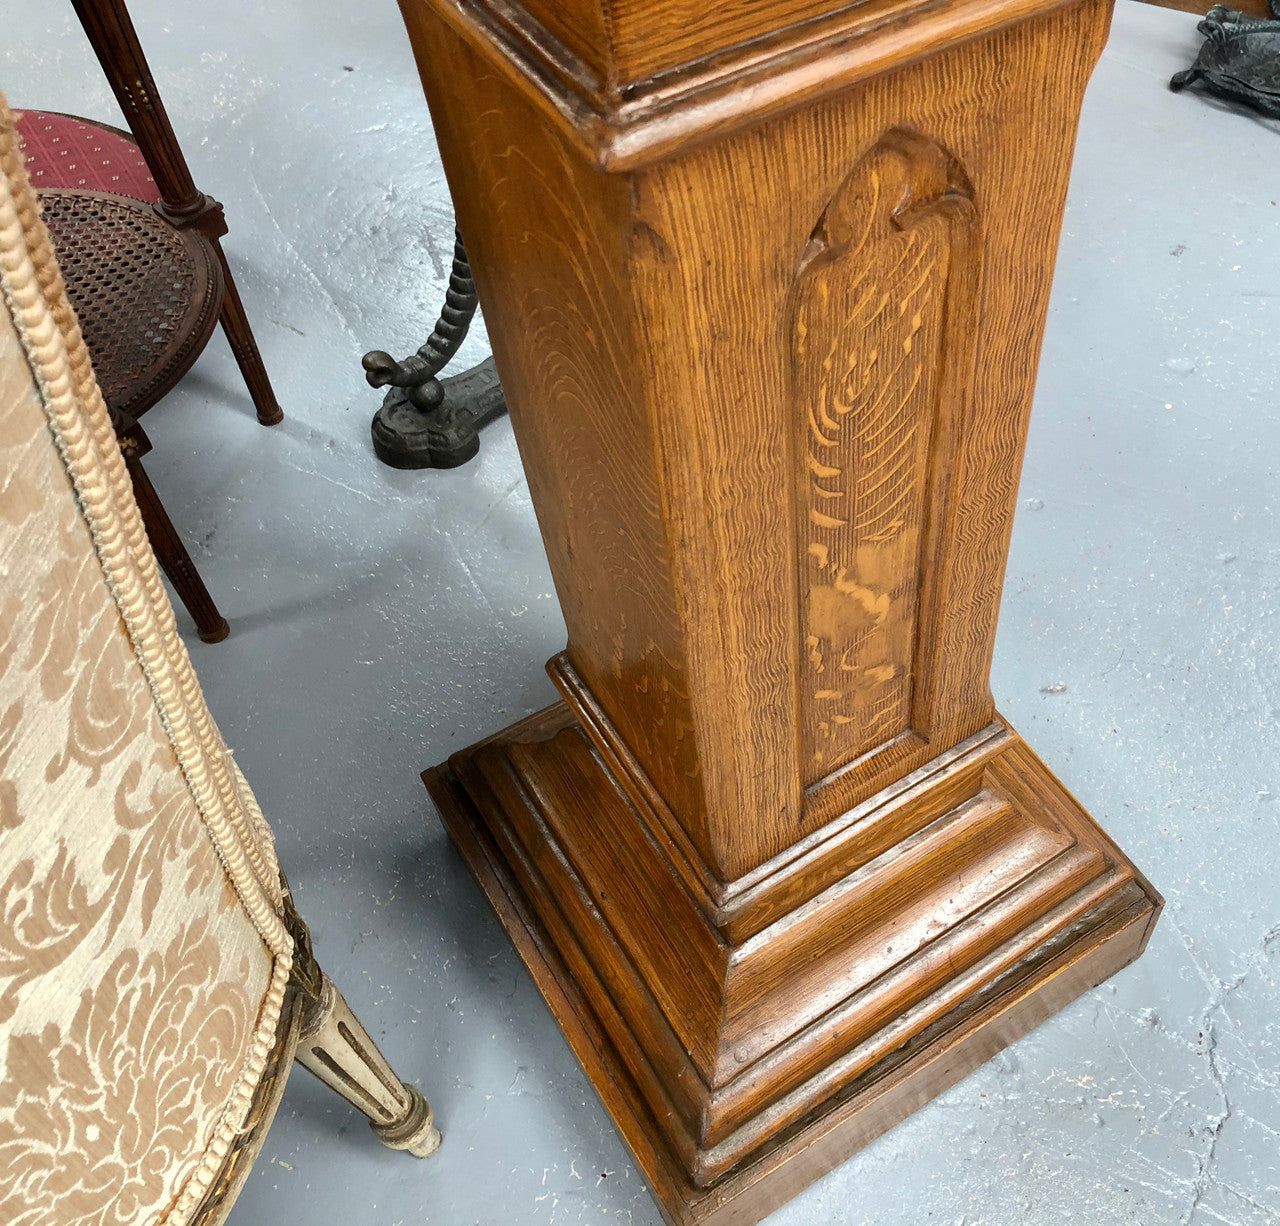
[(382, 619)]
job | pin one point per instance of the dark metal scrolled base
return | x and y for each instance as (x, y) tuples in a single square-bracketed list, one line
[(405, 436), (426, 421)]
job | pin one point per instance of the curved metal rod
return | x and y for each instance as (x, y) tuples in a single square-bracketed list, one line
[(382, 370)]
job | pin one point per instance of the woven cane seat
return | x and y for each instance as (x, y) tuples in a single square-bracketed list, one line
[(147, 295)]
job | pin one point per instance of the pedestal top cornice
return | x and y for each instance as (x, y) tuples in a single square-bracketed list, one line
[(620, 80)]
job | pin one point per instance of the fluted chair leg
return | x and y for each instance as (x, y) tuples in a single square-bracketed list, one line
[(338, 1050), (244, 346), (170, 552)]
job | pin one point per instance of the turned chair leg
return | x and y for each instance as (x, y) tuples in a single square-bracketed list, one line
[(115, 42), (337, 1049), (245, 348), (170, 552)]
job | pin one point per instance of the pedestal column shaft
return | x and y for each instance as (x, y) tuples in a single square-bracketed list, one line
[(707, 366)]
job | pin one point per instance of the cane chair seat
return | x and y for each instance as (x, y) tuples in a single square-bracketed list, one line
[(146, 295)]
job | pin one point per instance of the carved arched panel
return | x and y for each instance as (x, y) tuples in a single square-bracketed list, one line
[(881, 327)]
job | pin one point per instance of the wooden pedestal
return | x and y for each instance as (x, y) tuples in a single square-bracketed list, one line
[(765, 282)]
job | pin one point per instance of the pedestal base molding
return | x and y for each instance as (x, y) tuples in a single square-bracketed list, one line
[(748, 1036)]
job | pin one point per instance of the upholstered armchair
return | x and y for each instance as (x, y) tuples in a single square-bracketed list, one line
[(155, 981)]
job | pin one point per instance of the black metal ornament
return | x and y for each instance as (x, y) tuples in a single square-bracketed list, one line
[(426, 421), (1240, 59)]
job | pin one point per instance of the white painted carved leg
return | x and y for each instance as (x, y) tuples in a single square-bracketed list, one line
[(338, 1050)]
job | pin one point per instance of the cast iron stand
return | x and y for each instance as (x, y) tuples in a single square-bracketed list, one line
[(1240, 59), (425, 421)]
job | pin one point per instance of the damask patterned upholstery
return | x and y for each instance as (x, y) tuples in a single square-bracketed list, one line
[(143, 958)]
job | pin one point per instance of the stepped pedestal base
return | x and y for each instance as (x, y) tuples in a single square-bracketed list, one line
[(906, 943)]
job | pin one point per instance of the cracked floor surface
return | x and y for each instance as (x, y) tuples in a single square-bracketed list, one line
[(382, 619)]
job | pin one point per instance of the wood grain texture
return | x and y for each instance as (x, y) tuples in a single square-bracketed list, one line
[(563, 56), (731, 1153), (778, 864), (733, 1035), (557, 250), (736, 219), (883, 296)]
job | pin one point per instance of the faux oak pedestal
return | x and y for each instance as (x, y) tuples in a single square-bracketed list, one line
[(765, 282)]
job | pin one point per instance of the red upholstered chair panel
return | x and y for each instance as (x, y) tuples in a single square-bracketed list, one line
[(61, 151)]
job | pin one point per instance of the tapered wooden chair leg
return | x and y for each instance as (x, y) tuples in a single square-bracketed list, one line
[(245, 348), (174, 559), (338, 1050)]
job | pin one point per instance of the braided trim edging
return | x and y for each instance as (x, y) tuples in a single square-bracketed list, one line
[(239, 1103), (83, 432), (77, 417)]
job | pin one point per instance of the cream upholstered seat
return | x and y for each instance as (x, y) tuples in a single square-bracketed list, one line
[(154, 980)]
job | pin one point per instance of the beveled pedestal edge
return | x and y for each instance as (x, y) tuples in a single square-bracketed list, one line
[(623, 125), (1093, 949)]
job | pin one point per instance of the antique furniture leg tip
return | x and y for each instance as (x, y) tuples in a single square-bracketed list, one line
[(215, 634), (416, 1133), (339, 1050)]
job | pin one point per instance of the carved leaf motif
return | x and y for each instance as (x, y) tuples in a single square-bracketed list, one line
[(870, 331), (100, 722), (45, 917)]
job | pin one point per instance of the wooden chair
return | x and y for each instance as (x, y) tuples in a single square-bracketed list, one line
[(156, 982), (139, 248)]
